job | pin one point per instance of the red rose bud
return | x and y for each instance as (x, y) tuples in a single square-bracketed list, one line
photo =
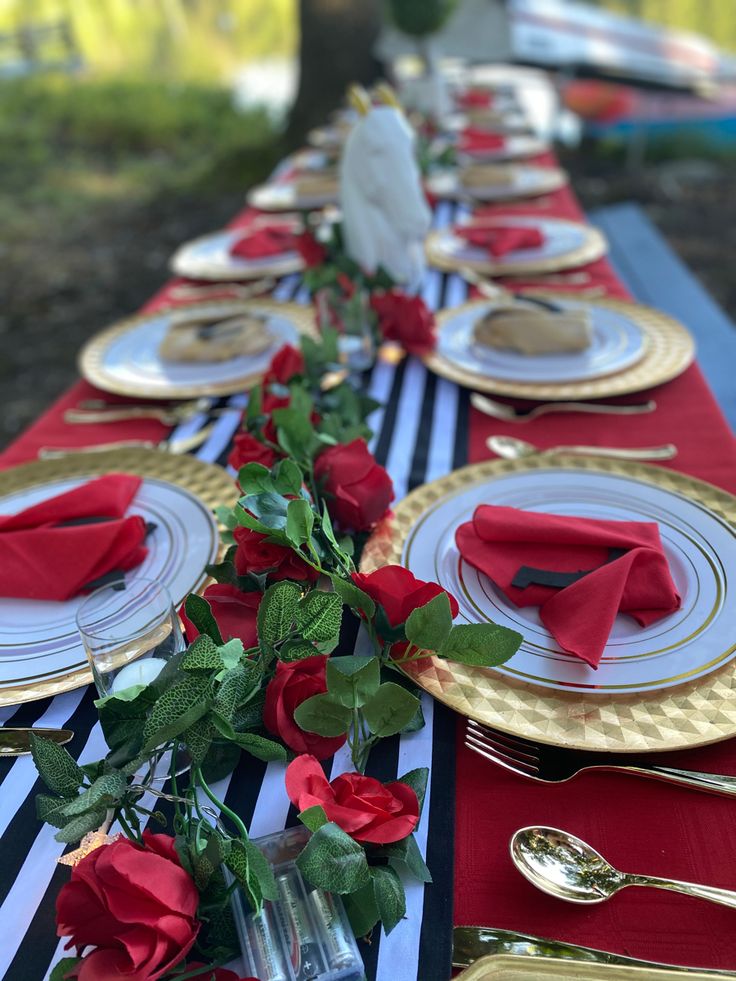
[(399, 592), (363, 807), (135, 905), (293, 683), (248, 449), (406, 320), (234, 611), (358, 490), (287, 362), (312, 252), (255, 554)]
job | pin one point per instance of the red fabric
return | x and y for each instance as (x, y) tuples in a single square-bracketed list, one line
[(474, 140), (640, 825), (474, 99), (262, 242), (500, 540), (40, 558), (498, 240)]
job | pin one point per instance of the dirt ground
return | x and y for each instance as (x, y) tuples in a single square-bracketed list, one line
[(62, 285)]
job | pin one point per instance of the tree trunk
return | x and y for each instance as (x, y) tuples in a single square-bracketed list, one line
[(335, 49)]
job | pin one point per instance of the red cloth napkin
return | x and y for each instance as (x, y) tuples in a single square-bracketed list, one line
[(473, 139), (474, 99), (502, 540), (500, 239), (271, 240), (41, 557)]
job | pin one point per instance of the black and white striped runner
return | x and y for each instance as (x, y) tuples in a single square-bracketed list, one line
[(420, 434)]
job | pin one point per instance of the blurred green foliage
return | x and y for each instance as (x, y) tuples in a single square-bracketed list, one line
[(181, 39), (715, 19)]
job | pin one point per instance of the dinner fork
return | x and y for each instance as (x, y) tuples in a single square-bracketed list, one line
[(507, 413), (550, 764)]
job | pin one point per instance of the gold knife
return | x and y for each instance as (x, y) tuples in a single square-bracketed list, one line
[(17, 742), (180, 444)]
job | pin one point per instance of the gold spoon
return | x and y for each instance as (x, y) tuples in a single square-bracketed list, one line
[(565, 866), (511, 448)]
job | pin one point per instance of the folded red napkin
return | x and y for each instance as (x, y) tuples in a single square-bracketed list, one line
[(500, 239), (475, 99), (53, 550), (473, 139), (625, 565), (270, 240)]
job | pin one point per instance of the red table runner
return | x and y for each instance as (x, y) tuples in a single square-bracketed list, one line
[(640, 825)]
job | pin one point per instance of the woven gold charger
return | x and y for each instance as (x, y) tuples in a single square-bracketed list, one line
[(695, 713)]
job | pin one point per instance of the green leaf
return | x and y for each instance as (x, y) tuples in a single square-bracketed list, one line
[(270, 510), (236, 687), (105, 790), (299, 521), (352, 596), (390, 709), (296, 650), (250, 867), (353, 680), (49, 810), (287, 478), (78, 827), (390, 898), (198, 739), (63, 967), (199, 612), (417, 780), (56, 767), (429, 626), (295, 432), (313, 817), (220, 761), (231, 652), (319, 615), (202, 655), (260, 747), (362, 910), (322, 715), (484, 645), (178, 708), (277, 611), (332, 860), (254, 478), (406, 853), (255, 403)]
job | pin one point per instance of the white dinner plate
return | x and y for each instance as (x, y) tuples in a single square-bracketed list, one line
[(209, 258), (515, 145), (284, 196), (700, 547), (618, 343), (39, 642), (524, 182), (125, 358)]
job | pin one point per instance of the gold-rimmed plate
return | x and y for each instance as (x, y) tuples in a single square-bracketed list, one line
[(41, 653), (300, 194), (665, 687), (511, 181), (513, 967), (125, 358), (209, 257), (565, 245), (667, 350)]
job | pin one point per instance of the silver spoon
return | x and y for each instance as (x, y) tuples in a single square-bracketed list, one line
[(512, 448), (564, 866), (499, 410)]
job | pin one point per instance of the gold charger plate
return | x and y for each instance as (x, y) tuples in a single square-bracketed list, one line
[(207, 257), (512, 967), (669, 350), (592, 247), (539, 181), (695, 713), (95, 369), (209, 483)]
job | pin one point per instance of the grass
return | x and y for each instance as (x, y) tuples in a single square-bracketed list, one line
[(68, 144)]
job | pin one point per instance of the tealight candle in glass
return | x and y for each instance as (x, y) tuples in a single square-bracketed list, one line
[(129, 631)]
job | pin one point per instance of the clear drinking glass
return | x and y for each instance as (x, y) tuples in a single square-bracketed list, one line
[(129, 631), (351, 316)]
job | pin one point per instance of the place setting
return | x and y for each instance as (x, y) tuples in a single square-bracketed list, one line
[(494, 182), (264, 248)]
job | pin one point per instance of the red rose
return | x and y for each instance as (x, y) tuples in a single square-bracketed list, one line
[(255, 554), (287, 362), (135, 904), (234, 611), (248, 449), (293, 683), (365, 808), (218, 973), (405, 319), (358, 489), (312, 251), (399, 592)]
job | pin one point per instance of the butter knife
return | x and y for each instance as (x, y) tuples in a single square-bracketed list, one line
[(471, 943), (17, 742)]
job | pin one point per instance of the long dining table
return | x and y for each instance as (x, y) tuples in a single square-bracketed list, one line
[(425, 428)]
